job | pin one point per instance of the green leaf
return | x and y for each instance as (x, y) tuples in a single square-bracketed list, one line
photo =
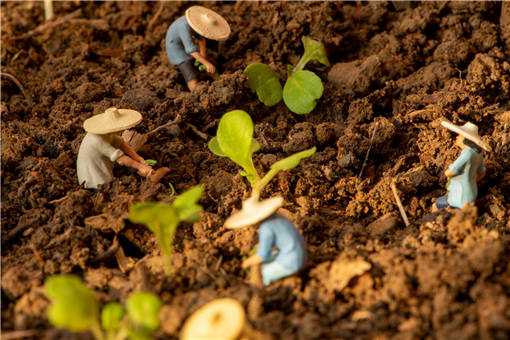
[(186, 204), (111, 316), (265, 83), (73, 306), (314, 50), (214, 146), (162, 220), (292, 161), (301, 91), (151, 162), (235, 138), (255, 146), (143, 310)]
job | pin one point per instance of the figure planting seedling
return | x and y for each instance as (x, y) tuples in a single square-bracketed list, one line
[(281, 249), (180, 47), (467, 169), (102, 146)]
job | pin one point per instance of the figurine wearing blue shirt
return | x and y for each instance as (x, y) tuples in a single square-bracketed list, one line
[(281, 249), (466, 171), (180, 47)]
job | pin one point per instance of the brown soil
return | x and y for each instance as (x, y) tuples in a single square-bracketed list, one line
[(445, 276)]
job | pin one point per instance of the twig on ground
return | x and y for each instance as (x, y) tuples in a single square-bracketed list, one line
[(399, 203), (25, 333), (368, 151), (18, 84), (177, 120), (197, 131), (110, 252), (49, 25), (156, 16)]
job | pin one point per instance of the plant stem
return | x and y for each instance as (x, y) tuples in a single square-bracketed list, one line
[(301, 64), (260, 184), (97, 332)]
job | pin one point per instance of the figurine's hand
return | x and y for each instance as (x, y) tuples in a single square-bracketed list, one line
[(210, 68), (145, 170)]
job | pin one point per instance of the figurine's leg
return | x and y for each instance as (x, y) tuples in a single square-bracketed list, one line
[(273, 271), (441, 203), (189, 73)]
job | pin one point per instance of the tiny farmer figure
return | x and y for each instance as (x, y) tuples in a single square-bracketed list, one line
[(281, 249), (180, 47), (102, 146), (467, 169)]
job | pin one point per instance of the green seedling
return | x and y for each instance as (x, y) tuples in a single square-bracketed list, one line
[(201, 67), (74, 307), (234, 139), (162, 219), (151, 162), (302, 88)]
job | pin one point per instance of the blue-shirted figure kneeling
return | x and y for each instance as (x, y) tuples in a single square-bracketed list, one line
[(466, 171), (200, 23), (281, 250)]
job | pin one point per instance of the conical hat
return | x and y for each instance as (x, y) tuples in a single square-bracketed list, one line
[(468, 131), (207, 23), (220, 319), (253, 211), (112, 120)]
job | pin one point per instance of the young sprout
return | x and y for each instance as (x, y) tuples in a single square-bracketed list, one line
[(162, 219), (234, 139), (302, 88), (151, 162), (75, 308)]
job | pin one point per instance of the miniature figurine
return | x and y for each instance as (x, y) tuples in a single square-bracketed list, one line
[(467, 169), (102, 145), (202, 23), (281, 249)]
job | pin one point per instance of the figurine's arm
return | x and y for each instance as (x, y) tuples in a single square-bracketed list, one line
[(208, 65), (128, 150), (202, 47), (143, 169), (252, 261), (481, 173), (456, 167)]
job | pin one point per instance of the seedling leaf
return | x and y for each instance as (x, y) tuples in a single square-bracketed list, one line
[(186, 204), (265, 83), (73, 306), (151, 162), (111, 316), (301, 91), (235, 138), (214, 146), (314, 50), (293, 160), (143, 309)]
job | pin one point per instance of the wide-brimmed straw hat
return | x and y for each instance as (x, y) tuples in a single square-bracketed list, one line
[(253, 211), (207, 23), (220, 319), (468, 131), (112, 120)]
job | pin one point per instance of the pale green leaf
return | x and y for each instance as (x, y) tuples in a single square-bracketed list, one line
[(214, 147), (301, 91), (186, 205), (235, 138), (293, 160), (73, 306), (255, 146), (143, 310), (111, 316), (314, 50), (263, 81), (151, 162)]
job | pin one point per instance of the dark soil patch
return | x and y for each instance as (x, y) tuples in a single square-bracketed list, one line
[(446, 276)]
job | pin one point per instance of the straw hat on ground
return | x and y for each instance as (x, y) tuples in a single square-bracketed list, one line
[(207, 23), (220, 319), (468, 131), (253, 211), (112, 120)]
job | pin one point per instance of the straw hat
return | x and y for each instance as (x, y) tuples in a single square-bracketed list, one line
[(253, 211), (220, 319), (468, 131), (207, 23), (112, 120)]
